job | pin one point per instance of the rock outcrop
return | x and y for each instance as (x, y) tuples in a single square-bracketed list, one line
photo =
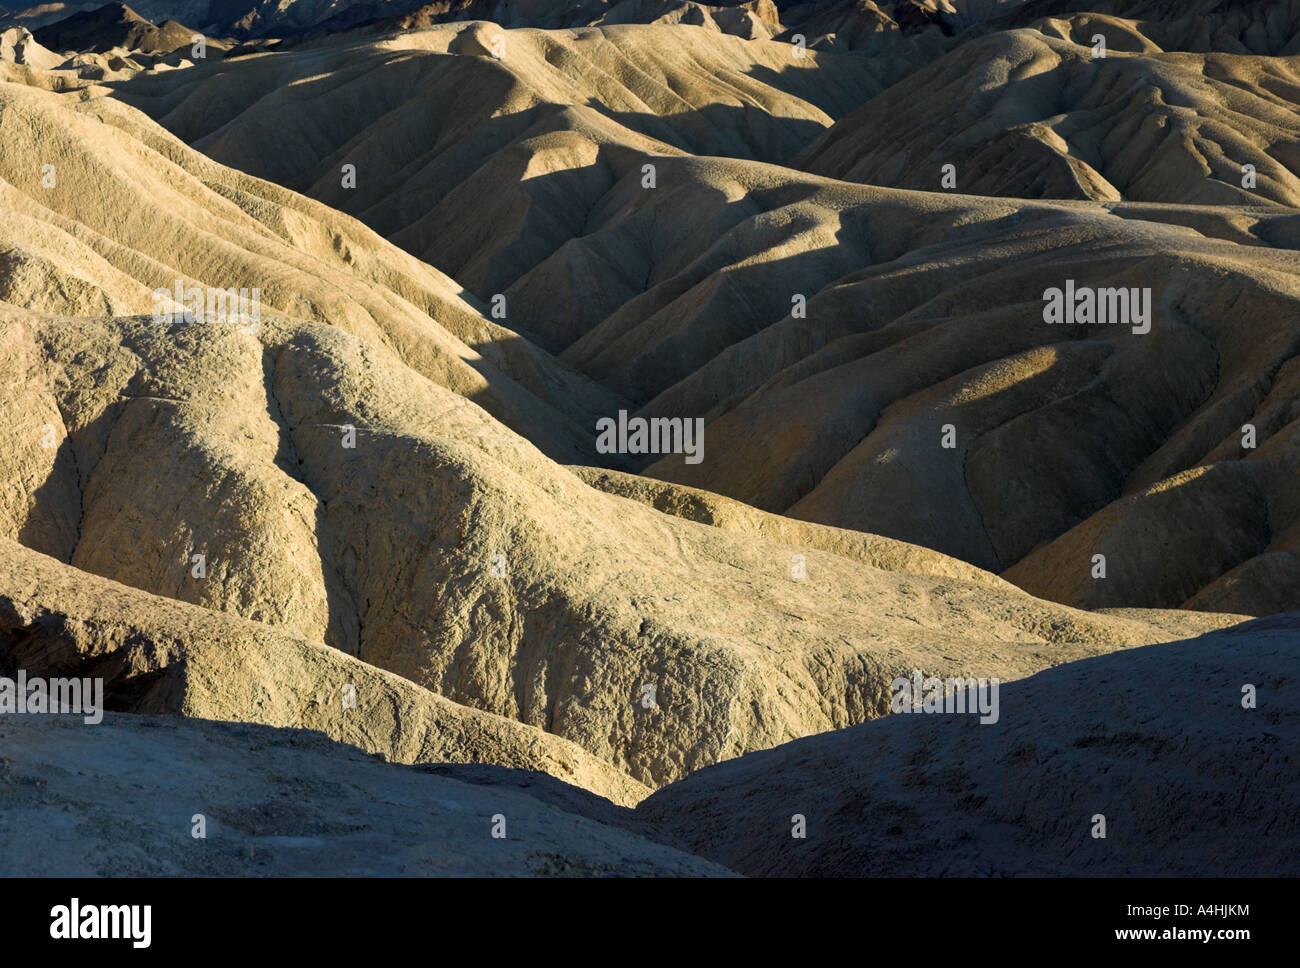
[(1155, 748)]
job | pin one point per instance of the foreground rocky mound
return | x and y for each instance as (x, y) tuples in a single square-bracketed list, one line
[(1181, 778), (1155, 740), (277, 803), (157, 655)]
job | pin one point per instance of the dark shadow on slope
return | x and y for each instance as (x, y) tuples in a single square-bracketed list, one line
[(1267, 27), (1157, 739)]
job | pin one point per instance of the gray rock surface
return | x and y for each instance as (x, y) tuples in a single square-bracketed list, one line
[(1155, 739), (119, 799)]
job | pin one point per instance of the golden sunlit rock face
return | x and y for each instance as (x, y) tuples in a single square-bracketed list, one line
[(688, 432)]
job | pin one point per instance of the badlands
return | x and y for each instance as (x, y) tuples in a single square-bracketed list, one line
[(353, 559)]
